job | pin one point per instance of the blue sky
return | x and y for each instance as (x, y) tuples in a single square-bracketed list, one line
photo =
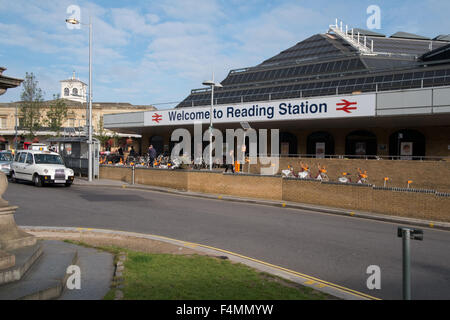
[(151, 52)]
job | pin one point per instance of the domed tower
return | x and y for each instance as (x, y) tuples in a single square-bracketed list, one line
[(73, 89)]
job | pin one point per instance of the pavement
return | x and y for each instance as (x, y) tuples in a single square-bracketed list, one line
[(285, 204), (335, 249), (46, 277)]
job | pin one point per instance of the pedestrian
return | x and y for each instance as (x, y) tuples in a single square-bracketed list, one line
[(230, 161), (132, 152), (151, 155), (120, 151)]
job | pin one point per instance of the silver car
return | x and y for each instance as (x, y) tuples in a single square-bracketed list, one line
[(6, 159)]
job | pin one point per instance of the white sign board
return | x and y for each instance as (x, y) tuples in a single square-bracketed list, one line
[(296, 109)]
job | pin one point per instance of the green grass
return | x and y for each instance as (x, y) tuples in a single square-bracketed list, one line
[(196, 277), (176, 277)]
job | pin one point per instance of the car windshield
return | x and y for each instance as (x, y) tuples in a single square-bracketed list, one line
[(6, 157), (47, 159)]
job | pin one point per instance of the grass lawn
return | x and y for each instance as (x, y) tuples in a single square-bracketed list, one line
[(196, 277)]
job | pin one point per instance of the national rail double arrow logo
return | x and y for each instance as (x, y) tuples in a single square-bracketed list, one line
[(157, 118), (346, 106)]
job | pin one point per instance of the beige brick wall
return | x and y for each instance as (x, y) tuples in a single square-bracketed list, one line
[(162, 178), (433, 175), (407, 204), (240, 186)]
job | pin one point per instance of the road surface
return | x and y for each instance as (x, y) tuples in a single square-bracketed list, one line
[(333, 248)]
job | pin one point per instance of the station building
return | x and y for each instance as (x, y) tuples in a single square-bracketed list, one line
[(345, 93)]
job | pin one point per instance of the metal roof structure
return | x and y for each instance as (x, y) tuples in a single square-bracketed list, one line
[(340, 61), (406, 35)]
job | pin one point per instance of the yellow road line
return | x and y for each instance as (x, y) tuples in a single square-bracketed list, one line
[(311, 280)]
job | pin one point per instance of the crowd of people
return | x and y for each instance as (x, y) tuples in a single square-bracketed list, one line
[(162, 160), (119, 157)]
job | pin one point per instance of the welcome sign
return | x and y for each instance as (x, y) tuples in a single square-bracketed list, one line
[(296, 109)]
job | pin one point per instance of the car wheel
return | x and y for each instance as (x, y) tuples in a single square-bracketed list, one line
[(68, 184), (37, 181), (13, 177)]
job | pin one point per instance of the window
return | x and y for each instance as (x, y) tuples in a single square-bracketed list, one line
[(29, 158), (71, 123), (22, 157), (48, 159), (75, 92), (66, 91), (2, 122)]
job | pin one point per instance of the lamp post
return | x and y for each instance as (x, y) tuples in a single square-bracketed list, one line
[(75, 21), (213, 85)]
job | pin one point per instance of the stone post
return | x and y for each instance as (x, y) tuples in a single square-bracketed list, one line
[(11, 237)]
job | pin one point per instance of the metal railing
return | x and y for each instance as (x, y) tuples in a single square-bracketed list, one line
[(366, 157), (413, 83)]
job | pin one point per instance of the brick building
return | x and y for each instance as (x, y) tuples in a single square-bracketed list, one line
[(73, 91)]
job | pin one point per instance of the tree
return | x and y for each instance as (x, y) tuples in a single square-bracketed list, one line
[(31, 105), (56, 114), (101, 133)]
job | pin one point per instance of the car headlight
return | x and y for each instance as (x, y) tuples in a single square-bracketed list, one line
[(6, 166)]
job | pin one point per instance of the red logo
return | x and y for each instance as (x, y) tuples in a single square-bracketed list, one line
[(157, 118), (346, 106)]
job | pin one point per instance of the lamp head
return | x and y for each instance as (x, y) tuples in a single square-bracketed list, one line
[(72, 21), (212, 83)]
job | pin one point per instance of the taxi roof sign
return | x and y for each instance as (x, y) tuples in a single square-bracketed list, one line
[(38, 147)]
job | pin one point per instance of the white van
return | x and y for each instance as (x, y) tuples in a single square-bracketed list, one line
[(40, 166)]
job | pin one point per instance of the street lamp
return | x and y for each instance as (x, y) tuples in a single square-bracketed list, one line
[(213, 85), (75, 21)]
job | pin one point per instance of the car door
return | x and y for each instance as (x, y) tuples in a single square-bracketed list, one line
[(28, 169), (19, 165)]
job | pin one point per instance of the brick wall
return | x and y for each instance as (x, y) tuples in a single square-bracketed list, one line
[(421, 205), (424, 174), (241, 186)]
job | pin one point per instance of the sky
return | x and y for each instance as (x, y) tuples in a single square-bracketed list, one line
[(149, 52)]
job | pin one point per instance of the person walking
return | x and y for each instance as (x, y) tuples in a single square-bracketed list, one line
[(120, 151), (132, 152), (230, 161), (151, 155)]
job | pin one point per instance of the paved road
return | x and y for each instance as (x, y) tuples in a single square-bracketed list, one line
[(333, 248)]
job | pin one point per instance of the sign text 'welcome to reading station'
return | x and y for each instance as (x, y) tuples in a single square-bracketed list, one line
[(335, 107)]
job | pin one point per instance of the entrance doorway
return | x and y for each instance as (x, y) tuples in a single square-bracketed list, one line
[(320, 144), (361, 143), (407, 144)]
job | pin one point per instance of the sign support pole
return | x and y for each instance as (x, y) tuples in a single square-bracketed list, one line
[(406, 264)]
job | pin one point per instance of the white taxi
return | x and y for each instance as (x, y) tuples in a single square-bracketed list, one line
[(40, 166)]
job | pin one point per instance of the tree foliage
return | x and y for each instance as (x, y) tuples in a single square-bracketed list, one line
[(31, 105), (101, 133), (57, 114)]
